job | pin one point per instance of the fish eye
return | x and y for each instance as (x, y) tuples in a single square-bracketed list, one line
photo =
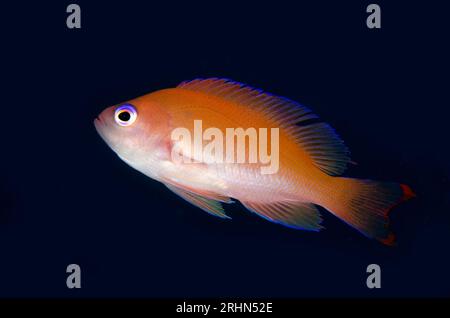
[(125, 115)]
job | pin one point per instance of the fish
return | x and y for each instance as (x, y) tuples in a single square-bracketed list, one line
[(311, 157)]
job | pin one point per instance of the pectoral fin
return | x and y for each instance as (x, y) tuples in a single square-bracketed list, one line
[(209, 205)]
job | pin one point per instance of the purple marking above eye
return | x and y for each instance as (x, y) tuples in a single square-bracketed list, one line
[(125, 115)]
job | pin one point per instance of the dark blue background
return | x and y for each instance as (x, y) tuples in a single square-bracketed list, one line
[(66, 198)]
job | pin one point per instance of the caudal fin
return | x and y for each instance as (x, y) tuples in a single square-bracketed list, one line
[(365, 205)]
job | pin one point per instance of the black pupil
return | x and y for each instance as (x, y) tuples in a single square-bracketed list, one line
[(124, 116)]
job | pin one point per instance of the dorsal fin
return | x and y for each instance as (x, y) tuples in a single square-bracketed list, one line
[(318, 139), (279, 110)]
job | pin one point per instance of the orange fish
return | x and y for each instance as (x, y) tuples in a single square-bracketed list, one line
[(309, 155)]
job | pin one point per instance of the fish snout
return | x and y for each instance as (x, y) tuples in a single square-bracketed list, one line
[(98, 122), (104, 117)]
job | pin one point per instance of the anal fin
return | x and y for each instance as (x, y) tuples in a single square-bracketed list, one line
[(298, 215)]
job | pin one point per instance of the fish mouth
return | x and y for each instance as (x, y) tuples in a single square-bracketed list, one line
[(99, 125), (99, 122)]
